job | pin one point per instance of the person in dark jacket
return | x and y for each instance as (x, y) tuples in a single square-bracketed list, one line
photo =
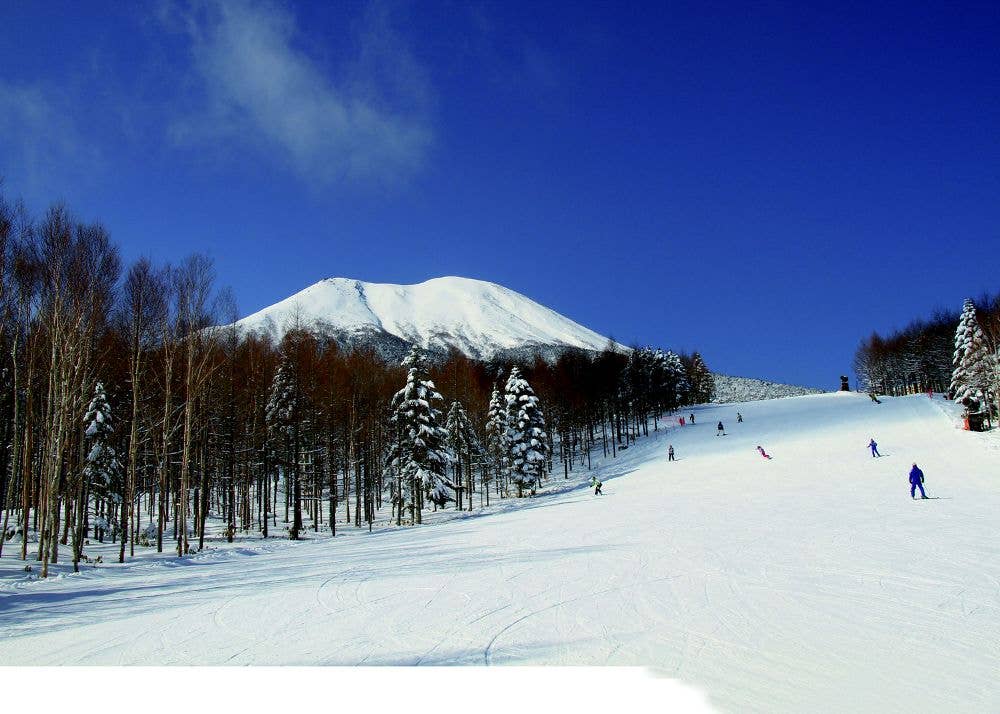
[(874, 447), (916, 481), (670, 453), (739, 418), (720, 430)]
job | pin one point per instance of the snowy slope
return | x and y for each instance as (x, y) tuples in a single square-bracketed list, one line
[(478, 318), (745, 389), (810, 582)]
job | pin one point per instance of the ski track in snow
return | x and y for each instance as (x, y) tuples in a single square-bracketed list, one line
[(810, 582)]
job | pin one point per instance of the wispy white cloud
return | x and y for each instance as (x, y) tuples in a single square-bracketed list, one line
[(366, 119)]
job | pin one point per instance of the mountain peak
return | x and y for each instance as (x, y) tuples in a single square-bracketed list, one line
[(476, 317)]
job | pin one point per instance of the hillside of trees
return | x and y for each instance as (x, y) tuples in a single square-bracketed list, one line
[(952, 352), (130, 415)]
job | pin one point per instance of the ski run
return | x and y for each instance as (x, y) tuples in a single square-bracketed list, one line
[(809, 581)]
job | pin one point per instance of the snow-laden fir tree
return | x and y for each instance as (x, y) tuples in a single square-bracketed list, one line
[(496, 436), (658, 378), (102, 470), (973, 362), (465, 447), (419, 457), (527, 445), (675, 379), (281, 416)]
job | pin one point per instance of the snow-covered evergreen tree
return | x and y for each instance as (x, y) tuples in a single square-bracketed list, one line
[(419, 457), (675, 377), (465, 446), (282, 416), (658, 378), (102, 469), (281, 401), (973, 362), (496, 433), (527, 445)]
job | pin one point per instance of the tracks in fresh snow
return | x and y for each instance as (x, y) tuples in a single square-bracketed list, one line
[(769, 583)]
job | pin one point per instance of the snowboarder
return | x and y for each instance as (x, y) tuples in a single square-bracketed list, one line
[(692, 418), (670, 453), (916, 481), (874, 398), (874, 447), (597, 486), (739, 418), (763, 453), (720, 430)]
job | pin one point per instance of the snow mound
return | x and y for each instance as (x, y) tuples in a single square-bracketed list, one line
[(480, 319)]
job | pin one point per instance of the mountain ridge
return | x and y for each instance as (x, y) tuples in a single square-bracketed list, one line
[(481, 319)]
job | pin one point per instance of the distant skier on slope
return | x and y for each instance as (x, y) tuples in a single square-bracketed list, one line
[(916, 481), (597, 486), (739, 418), (874, 447), (692, 418), (874, 398), (760, 450), (720, 430), (670, 453)]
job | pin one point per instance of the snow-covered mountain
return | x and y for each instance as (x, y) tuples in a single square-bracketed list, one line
[(481, 319), (746, 389)]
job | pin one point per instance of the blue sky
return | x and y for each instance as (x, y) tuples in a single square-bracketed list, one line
[(765, 182)]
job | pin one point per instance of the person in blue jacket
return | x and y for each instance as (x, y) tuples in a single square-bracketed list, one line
[(916, 481), (874, 447)]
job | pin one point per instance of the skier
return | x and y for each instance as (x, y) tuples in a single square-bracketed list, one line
[(763, 453), (874, 447), (739, 418), (692, 418), (720, 430), (670, 453), (916, 481), (597, 486), (681, 420)]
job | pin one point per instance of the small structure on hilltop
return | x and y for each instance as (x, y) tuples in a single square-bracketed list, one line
[(844, 386)]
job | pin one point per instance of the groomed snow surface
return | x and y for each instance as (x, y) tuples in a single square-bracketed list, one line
[(808, 582)]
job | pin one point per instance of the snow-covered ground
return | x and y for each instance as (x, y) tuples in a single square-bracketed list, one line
[(808, 582)]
